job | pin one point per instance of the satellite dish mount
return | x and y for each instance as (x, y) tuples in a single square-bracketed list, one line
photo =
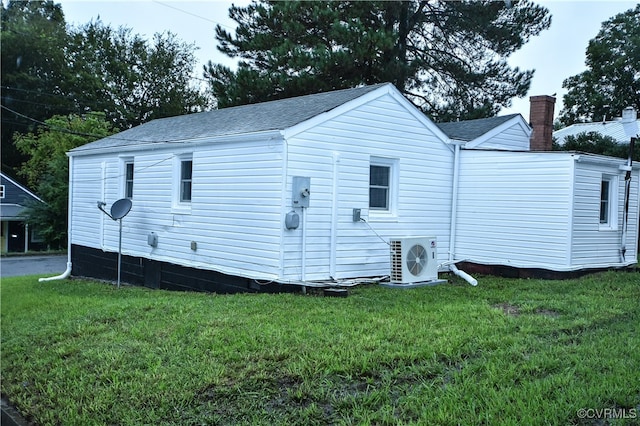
[(119, 209)]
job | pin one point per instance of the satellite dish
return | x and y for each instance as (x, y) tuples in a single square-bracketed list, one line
[(120, 208)]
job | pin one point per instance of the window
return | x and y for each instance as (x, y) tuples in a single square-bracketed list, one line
[(608, 202), (182, 184), (1, 191), (379, 187), (604, 201), (186, 171), (383, 182), (128, 179)]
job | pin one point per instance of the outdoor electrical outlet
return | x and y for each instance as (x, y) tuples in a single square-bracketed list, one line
[(356, 215)]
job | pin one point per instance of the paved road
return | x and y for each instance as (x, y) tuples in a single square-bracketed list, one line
[(30, 265)]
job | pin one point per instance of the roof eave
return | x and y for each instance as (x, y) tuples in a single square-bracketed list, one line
[(182, 143)]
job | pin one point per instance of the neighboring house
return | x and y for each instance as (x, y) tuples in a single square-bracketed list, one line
[(17, 236), (317, 188), (621, 129)]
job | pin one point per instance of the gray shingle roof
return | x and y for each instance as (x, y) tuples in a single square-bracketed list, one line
[(274, 115), (469, 130)]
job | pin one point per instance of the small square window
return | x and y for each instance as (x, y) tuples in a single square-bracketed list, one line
[(186, 171)]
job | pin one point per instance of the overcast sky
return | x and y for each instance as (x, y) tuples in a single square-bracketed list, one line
[(556, 54)]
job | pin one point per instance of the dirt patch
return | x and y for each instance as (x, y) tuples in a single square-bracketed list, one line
[(508, 309), (548, 312), (514, 310)]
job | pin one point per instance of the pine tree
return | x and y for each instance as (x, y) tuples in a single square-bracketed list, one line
[(448, 57)]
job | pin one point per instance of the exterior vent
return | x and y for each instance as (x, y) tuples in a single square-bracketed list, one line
[(413, 260)]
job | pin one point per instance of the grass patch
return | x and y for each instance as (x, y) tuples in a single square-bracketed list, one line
[(508, 351)]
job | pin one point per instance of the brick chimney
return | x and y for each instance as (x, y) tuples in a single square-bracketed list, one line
[(541, 120)]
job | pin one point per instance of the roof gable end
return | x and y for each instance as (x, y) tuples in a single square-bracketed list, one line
[(379, 91)]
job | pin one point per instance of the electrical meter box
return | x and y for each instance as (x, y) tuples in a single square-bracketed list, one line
[(300, 191)]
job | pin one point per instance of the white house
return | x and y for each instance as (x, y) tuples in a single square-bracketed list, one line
[(15, 233), (621, 129), (317, 188)]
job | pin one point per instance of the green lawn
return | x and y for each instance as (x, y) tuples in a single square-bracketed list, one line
[(509, 351)]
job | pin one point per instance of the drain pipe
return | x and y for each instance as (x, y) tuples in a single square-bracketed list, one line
[(627, 191), (468, 278), (454, 218), (67, 272), (303, 261)]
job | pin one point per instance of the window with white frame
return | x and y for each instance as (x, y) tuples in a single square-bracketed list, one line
[(1, 191), (128, 179), (382, 184), (608, 202), (186, 173)]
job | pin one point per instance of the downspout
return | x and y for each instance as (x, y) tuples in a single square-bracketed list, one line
[(303, 266), (334, 217), (627, 190), (67, 272), (454, 219)]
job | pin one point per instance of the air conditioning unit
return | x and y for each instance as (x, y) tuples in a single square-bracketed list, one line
[(413, 260)]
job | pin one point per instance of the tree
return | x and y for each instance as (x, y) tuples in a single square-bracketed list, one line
[(49, 69), (129, 79), (33, 66), (596, 143), (47, 169), (612, 79), (449, 58)]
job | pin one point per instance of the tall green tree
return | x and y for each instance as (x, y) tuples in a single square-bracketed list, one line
[(33, 41), (47, 170), (448, 57), (131, 79), (50, 69), (612, 79)]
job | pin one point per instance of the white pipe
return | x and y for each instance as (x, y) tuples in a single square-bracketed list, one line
[(454, 219), (625, 207), (454, 201), (468, 278), (334, 216), (303, 266), (67, 272), (26, 237)]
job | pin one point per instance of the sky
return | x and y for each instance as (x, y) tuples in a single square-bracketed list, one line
[(556, 54)]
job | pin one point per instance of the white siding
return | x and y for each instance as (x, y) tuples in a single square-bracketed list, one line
[(235, 213), (514, 209), (512, 135), (592, 245), (382, 128)]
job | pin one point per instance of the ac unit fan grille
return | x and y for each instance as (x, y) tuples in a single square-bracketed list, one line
[(416, 259)]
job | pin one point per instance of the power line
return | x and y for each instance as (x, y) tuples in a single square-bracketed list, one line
[(72, 132), (56, 128), (121, 175), (37, 92), (192, 14)]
